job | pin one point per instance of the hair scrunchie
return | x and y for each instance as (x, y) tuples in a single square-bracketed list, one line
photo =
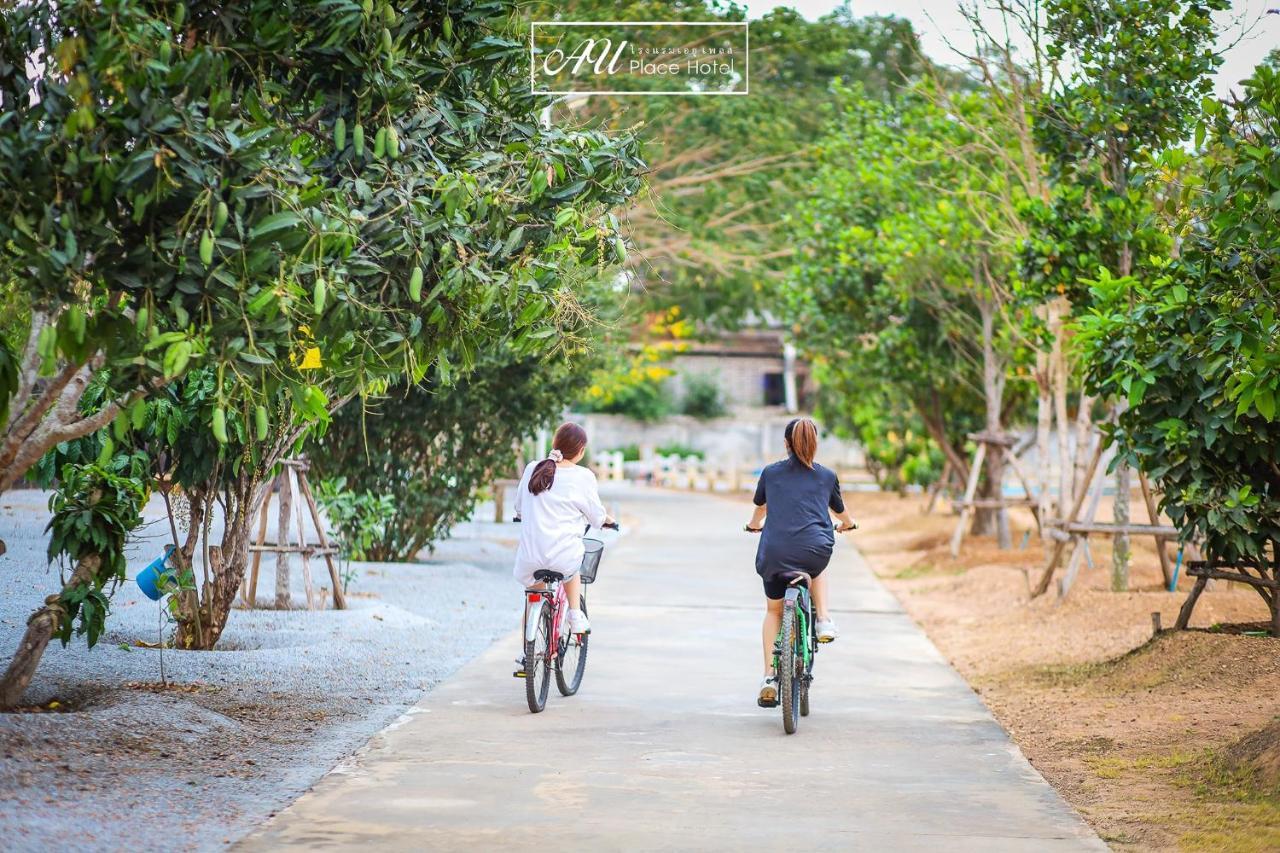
[(555, 455)]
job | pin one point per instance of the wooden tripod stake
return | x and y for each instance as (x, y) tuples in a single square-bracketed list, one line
[(1072, 530), (295, 469), (1002, 446)]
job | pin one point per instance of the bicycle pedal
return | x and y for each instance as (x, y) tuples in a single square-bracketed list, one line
[(519, 673), (826, 640)]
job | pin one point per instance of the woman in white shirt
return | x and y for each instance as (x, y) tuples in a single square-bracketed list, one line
[(554, 498)]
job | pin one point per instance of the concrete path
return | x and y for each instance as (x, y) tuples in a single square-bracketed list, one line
[(664, 747)]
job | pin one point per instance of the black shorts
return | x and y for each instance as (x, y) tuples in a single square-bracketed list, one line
[(775, 587)]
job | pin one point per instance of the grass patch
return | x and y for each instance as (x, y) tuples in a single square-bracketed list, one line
[(1231, 811), (924, 569), (1113, 766)]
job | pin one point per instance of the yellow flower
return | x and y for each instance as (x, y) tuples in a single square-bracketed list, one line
[(656, 373), (311, 360)]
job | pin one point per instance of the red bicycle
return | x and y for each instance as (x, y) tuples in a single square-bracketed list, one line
[(548, 644)]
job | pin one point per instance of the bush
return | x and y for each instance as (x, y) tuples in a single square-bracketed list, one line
[(897, 448), (359, 519), (630, 452), (432, 447), (645, 401), (676, 449), (702, 398)]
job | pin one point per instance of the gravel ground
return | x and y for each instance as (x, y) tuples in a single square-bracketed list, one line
[(239, 732)]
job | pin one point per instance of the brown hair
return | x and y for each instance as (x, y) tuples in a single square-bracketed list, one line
[(802, 440), (569, 440)]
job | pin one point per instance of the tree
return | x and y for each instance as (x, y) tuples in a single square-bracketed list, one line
[(1193, 347), (708, 231), (1136, 71), (461, 220), (122, 159), (907, 264), (431, 447), (894, 442)]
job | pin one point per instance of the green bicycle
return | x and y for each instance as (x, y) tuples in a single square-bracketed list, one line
[(794, 653)]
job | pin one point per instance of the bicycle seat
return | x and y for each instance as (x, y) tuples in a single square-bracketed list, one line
[(547, 576), (800, 579)]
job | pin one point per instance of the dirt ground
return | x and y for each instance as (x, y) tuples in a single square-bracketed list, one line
[(1165, 742)]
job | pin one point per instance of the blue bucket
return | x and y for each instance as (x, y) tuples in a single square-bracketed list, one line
[(149, 578)]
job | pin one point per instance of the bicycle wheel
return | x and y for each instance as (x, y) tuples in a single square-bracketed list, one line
[(537, 661), (804, 697), (572, 662), (789, 666)]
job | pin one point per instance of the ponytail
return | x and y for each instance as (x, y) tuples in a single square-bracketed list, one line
[(802, 439), (544, 474), (569, 441)]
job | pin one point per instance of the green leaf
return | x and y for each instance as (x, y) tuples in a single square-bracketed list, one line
[(275, 222), (1265, 403)]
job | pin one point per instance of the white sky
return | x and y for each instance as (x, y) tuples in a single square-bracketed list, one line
[(938, 20)]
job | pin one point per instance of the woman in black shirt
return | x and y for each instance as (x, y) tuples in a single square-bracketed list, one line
[(798, 496)]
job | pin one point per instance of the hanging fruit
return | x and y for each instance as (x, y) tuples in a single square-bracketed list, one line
[(206, 247), (220, 425), (415, 284), (319, 292)]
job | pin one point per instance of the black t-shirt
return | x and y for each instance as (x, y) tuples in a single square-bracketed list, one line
[(798, 534)]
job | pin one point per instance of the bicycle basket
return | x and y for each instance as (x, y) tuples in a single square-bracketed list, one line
[(591, 559)]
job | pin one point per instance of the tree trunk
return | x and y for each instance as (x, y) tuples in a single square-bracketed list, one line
[(282, 538), (1117, 154), (996, 520), (1044, 423), (1061, 381), (41, 628), (934, 424), (1084, 445), (226, 568), (1120, 551)]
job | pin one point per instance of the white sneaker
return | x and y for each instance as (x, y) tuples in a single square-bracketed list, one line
[(578, 623), (827, 631), (768, 690)]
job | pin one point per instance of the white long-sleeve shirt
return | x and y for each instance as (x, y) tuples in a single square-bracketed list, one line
[(552, 522)]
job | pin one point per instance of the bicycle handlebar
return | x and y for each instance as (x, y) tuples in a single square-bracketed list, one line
[(610, 526), (749, 529)]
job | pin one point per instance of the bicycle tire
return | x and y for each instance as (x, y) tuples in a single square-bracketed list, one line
[(788, 666), (807, 682), (537, 657), (577, 663)]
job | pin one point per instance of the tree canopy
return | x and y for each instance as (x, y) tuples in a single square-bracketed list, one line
[(1193, 348)]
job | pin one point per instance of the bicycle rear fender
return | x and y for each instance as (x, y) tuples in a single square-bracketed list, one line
[(532, 616)]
